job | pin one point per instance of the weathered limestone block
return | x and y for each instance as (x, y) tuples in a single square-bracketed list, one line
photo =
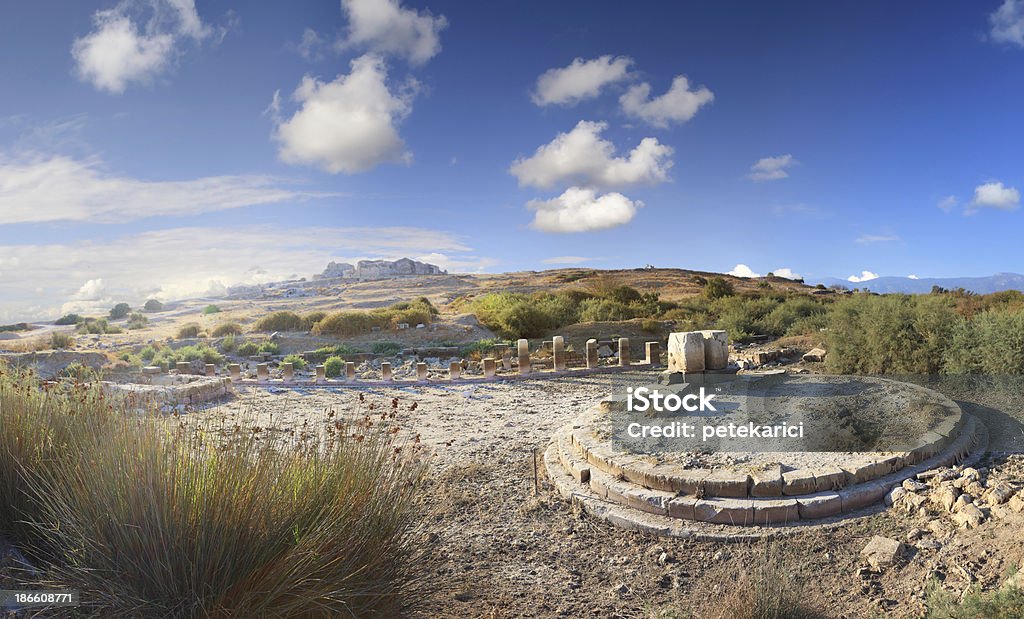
[(682, 507), (725, 511), (815, 355), (624, 359), (828, 478), (863, 495), (558, 351), (235, 370), (152, 370), (506, 361), (211, 369), (882, 551), (262, 372), (776, 511), (591, 354), (653, 353), (321, 373), (421, 371), (816, 506), (969, 517), (800, 481), (523, 348), (350, 371), (716, 349), (726, 484), (385, 371), (287, 371), (766, 482), (686, 352), (455, 370), (490, 367), (183, 367)]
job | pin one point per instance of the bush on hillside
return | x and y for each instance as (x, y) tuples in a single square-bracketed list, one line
[(226, 328)]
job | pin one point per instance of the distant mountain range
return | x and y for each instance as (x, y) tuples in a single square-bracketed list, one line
[(980, 285)]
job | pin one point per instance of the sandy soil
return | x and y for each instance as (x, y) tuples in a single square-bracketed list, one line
[(499, 547)]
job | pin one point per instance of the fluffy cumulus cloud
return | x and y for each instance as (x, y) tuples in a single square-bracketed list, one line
[(583, 157), (385, 27), (678, 105), (37, 188), (771, 168), (91, 274), (582, 79), (995, 195), (582, 210), (123, 48), (787, 273), (348, 125), (865, 276), (948, 203), (1008, 23), (742, 270)]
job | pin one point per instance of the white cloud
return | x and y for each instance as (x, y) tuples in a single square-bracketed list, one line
[(122, 50), (582, 79), (311, 45), (37, 188), (994, 195), (742, 270), (948, 203), (771, 168), (582, 210), (566, 260), (583, 157), (348, 125), (787, 273), (1008, 23), (383, 26), (864, 276), (913, 277), (679, 104), (867, 239), (204, 259)]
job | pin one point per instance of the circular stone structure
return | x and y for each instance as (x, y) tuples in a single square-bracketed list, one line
[(864, 437)]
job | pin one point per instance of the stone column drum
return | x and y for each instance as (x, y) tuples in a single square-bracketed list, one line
[(211, 369), (591, 354), (653, 350), (350, 371), (421, 371), (235, 370), (321, 374), (490, 367), (624, 359), (288, 372), (385, 371), (262, 372), (183, 367), (454, 370), (558, 351), (524, 356), (686, 352)]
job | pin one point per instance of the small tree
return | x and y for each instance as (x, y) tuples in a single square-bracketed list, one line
[(120, 311), (153, 305), (717, 287)]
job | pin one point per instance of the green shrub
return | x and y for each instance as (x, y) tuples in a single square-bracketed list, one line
[(133, 360), (153, 305), (211, 309), (167, 357), (147, 353), (247, 349), (650, 325), (270, 348), (333, 367), (68, 319), (281, 321), (60, 340), (991, 342), (77, 371), (20, 326), (1003, 603), (120, 311), (386, 348), (314, 317), (717, 287), (161, 521), (96, 326), (297, 361), (137, 321), (322, 353), (226, 328), (189, 330), (595, 310), (349, 323), (770, 587), (478, 349), (227, 344)]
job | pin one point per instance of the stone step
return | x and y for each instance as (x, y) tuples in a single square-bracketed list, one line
[(635, 506)]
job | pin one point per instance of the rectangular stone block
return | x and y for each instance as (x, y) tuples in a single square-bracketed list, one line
[(235, 371), (288, 371), (152, 370), (650, 501), (385, 371), (321, 374), (816, 506), (350, 371), (727, 484), (490, 367), (686, 352), (716, 349), (652, 354), (211, 369), (591, 354), (454, 370), (766, 482), (421, 371), (800, 481), (624, 358), (829, 478), (523, 348), (682, 507), (862, 495), (738, 512), (776, 511), (183, 367), (558, 352), (262, 372)]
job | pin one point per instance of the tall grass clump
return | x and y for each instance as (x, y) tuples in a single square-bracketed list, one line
[(1007, 602), (349, 323), (225, 329), (770, 588), (154, 517), (281, 321)]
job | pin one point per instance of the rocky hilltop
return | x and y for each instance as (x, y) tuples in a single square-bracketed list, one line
[(379, 269)]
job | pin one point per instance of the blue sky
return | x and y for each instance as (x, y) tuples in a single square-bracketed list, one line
[(170, 147)]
